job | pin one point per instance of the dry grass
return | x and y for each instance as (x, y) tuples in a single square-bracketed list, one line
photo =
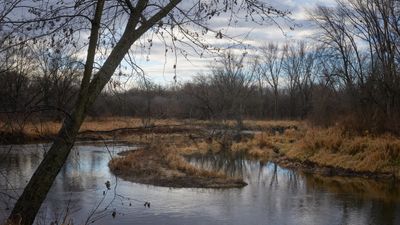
[(258, 147), (40, 129), (199, 147), (293, 139), (163, 166), (267, 124), (330, 147), (333, 147), (248, 124), (109, 123), (31, 131)]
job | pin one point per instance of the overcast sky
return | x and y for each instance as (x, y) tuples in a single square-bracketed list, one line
[(159, 68)]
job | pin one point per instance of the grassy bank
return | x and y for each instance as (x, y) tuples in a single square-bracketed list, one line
[(39, 131), (292, 144), (335, 148), (331, 151), (162, 161), (161, 165)]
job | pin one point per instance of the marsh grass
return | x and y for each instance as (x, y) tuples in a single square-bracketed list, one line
[(37, 130), (161, 164), (296, 140), (335, 147)]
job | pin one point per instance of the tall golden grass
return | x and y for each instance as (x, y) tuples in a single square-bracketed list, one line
[(335, 147), (37, 129), (325, 146)]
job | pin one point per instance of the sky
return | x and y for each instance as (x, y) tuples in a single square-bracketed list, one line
[(159, 66)]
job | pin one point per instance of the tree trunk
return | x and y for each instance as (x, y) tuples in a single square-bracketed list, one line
[(28, 204), (275, 102), (35, 192)]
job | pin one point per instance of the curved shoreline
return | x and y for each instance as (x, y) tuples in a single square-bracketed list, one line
[(279, 143), (153, 167)]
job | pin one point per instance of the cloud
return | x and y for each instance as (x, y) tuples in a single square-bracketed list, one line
[(161, 66)]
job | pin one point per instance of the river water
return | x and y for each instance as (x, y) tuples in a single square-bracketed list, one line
[(274, 195)]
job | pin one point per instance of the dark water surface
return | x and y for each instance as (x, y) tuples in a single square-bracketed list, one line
[(274, 195)]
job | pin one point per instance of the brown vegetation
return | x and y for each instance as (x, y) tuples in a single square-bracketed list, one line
[(162, 162), (294, 144), (314, 150), (161, 165), (361, 153), (31, 131)]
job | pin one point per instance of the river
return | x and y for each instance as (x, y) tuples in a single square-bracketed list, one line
[(274, 195)]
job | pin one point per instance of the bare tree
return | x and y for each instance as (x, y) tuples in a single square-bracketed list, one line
[(222, 94), (364, 35), (270, 66), (200, 98), (139, 17), (232, 81), (300, 68)]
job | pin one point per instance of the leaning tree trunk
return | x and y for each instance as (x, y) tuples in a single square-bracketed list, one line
[(35, 192)]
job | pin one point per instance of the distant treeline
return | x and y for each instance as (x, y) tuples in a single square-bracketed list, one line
[(349, 74)]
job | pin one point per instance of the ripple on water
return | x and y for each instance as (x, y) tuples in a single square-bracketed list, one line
[(274, 195)]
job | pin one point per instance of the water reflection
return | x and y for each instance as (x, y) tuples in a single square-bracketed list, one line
[(357, 200), (274, 195)]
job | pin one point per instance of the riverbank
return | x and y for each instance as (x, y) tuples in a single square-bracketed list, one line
[(162, 166), (291, 144), (329, 152), (334, 151), (91, 129)]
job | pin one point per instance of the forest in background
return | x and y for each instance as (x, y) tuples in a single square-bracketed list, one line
[(347, 74), (344, 78)]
